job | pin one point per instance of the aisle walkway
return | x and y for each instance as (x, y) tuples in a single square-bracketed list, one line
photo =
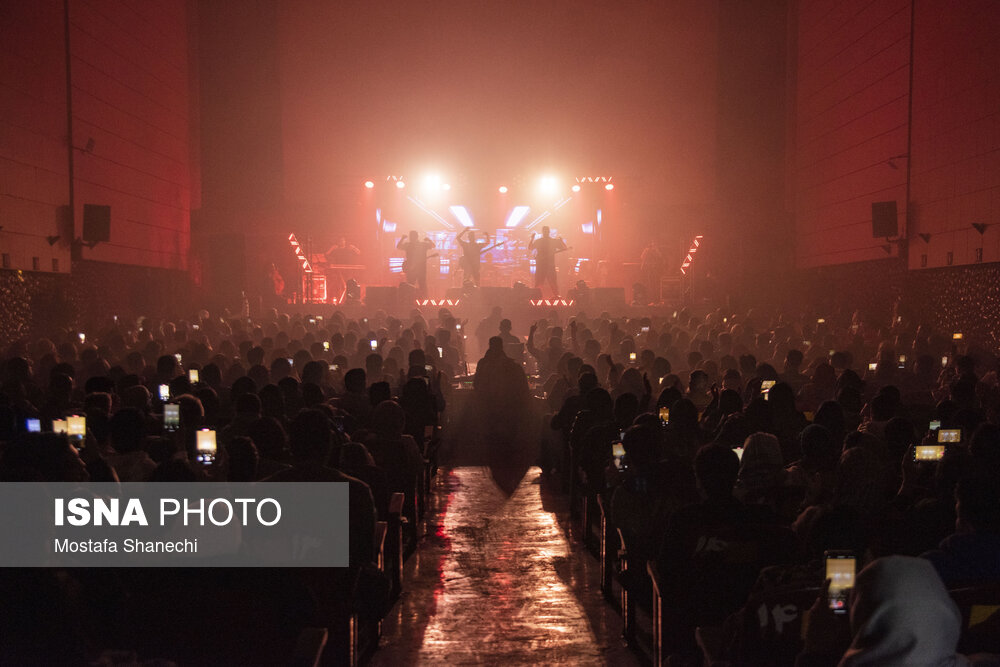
[(496, 582)]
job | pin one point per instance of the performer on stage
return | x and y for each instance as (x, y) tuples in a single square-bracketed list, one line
[(415, 264), (651, 268), (545, 248), (274, 288), (340, 254), (471, 254)]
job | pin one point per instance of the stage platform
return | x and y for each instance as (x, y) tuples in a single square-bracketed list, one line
[(524, 304)]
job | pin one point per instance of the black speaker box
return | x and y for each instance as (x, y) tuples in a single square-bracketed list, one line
[(884, 219), (379, 296), (96, 223)]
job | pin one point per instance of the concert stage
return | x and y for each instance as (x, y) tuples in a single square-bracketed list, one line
[(522, 304)]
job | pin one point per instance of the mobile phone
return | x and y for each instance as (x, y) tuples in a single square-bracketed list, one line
[(928, 452), (164, 392), (831, 352), (312, 320), (821, 321), (374, 345), (954, 336), (291, 362), (631, 356), (725, 320), (873, 366), (440, 351), (196, 327), (739, 453), (809, 415), (665, 415), (902, 361), (335, 367), (458, 327), (840, 570), (193, 375), (807, 343), (326, 346), (934, 425), (644, 329), (429, 368), (76, 426), (171, 417), (944, 362), (33, 425), (179, 358), (949, 435), (765, 387), (83, 337), (205, 446), (618, 453)]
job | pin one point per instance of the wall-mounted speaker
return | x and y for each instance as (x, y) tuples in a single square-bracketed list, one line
[(96, 223), (885, 221)]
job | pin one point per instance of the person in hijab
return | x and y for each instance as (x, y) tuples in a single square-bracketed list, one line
[(900, 614)]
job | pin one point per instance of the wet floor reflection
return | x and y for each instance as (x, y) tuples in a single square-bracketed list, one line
[(496, 581)]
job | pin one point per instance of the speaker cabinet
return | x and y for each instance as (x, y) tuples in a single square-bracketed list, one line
[(378, 296), (884, 219), (96, 223)]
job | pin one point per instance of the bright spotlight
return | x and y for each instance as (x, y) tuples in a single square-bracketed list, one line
[(462, 214), (446, 187), (432, 181), (369, 184), (502, 189), (548, 184), (516, 216), (609, 186), (400, 184), (576, 187)]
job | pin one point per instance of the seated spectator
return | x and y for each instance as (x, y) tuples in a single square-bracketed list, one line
[(972, 554), (394, 452), (310, 440), (900, 614), (241, 460), (130, 461), (357, 462)]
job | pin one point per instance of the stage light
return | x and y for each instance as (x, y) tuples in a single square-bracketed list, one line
[(369, 184), (389, 227), (516, 215), (432, 182), (462, 215), (548, 184), (446, 187), (609, 186), (400, 184), (502, 189), (576, 187), (588, 227)]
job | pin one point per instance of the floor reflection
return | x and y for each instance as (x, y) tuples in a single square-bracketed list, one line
[(495, 582)]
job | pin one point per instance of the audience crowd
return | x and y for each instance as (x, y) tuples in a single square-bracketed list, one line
[(787, 435)]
